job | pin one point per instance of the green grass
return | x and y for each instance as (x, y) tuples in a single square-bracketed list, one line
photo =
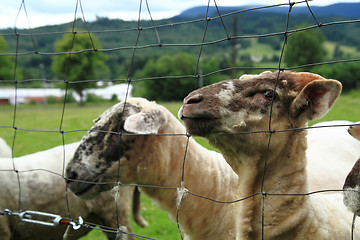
[(39, 117), (349, 51), (160, 226), (38, 128), (259, 49)]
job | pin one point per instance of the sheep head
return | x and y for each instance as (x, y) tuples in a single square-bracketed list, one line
[(355, 131), (231, 105), (105, 152), (226, 111), (352, 182)]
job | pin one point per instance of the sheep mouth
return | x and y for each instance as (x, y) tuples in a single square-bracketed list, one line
[(85, 190), (189, 111), (200, 126)]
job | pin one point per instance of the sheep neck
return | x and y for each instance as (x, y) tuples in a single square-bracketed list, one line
[(285, 174), (204, 173)]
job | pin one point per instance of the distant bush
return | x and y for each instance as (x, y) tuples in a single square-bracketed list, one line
[(69, 98), (92, 98), (52, 99), (347, 73), (114, 98), (32, 102)]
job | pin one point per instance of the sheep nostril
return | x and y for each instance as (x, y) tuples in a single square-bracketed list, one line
[(194, 99), (70, 176)]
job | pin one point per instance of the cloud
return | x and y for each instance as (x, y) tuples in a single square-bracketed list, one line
[(42, 12), (48, 12)]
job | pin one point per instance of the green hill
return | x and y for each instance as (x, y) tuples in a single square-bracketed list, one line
[(258, 33)]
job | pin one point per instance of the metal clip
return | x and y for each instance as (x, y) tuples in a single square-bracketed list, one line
[(77, 226), (26, 217), (72, 223), (54, 220)]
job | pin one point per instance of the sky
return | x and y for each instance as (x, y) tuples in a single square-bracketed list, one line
[(35, 13)]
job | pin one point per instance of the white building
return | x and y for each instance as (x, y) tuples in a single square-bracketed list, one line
[(107, 92), (25, 95)]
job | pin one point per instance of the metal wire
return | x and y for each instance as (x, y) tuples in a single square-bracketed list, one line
[(19, 34)]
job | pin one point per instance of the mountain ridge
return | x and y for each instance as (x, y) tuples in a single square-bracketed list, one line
[(348, 10)]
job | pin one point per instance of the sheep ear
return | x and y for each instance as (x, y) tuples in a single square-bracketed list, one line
[(147, 122), (96, 120), (315, 100), (355, 131)]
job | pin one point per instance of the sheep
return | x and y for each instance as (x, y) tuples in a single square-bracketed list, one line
[(257, 122), (354, 131), (352, 181), (43, 189), (5, 150), (156, 161), (328, 164)]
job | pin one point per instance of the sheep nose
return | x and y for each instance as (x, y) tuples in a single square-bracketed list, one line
[(194, 99), (70, 176)]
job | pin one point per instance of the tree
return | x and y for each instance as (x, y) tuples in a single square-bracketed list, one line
[(176, 88), (6, 64), (86, 65), (348, 73), (305, 47), (338, 53), (168, 88)]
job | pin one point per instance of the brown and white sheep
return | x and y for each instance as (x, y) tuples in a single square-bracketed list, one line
[(256, 122), (157, 161), (43, 189), (352, 182)]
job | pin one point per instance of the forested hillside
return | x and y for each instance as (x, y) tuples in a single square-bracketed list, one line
[(117, 39)]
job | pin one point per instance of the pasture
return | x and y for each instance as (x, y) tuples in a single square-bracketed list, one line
[(38, 127)]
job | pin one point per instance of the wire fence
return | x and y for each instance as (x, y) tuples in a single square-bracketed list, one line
[(154, 29)]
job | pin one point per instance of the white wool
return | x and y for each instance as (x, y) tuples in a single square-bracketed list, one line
[(224, 94), (115, 191), (121, 234), (351, 199), (181, 193), (5, 150), (331, 155), (50, 197)]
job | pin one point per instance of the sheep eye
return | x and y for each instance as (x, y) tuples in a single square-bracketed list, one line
[(269, 94)]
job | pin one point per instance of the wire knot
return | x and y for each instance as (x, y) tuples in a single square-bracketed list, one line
[(181, 193)]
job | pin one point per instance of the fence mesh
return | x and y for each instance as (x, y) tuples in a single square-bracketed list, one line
[(145, 35)]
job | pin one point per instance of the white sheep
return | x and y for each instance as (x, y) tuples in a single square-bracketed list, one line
[(5, 150), (43, 189), (331, 154), (157, 161), (352, 181), (256, 122)]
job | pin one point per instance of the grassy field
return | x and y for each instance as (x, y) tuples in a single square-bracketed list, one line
[(38, 127)]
